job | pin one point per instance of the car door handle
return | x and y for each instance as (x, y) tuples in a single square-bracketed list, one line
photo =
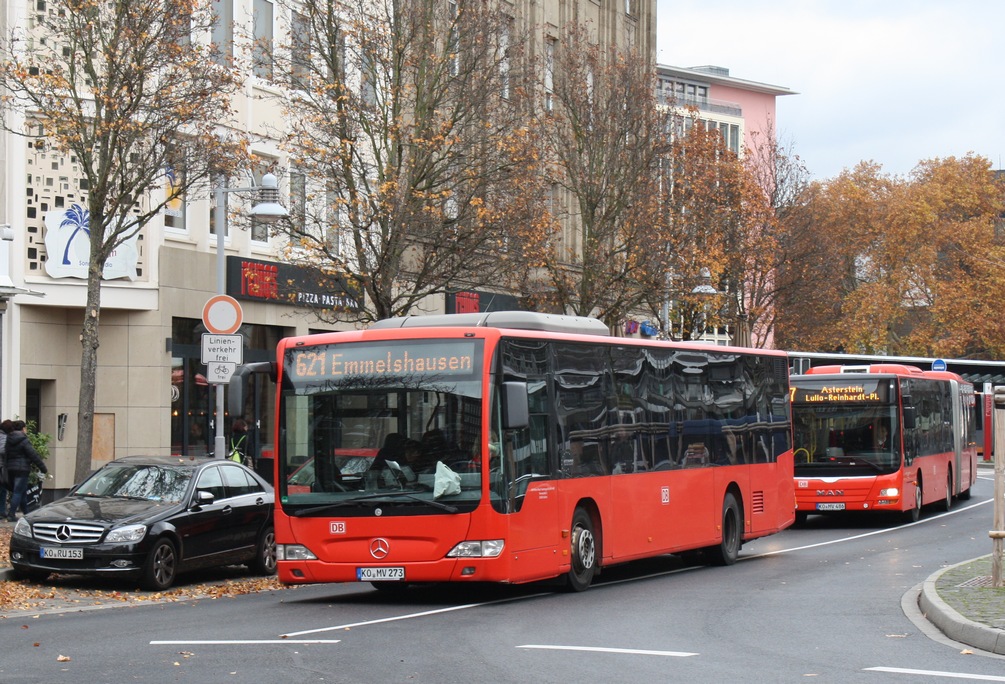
[(227, 510), (259, 501)]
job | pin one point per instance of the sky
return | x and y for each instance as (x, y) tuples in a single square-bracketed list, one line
[(891, 81)]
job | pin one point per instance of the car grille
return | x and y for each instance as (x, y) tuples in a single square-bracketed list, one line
[(67, 533)]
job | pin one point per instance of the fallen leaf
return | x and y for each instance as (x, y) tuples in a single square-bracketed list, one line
[(62, 659), (966, 651)]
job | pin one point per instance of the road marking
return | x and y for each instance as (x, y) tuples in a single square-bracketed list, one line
[(936, 673), (411, 616), (227, 642), (601, 649), (885, 530)]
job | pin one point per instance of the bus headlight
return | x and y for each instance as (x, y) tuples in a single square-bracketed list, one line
[(891, 491), (293, 552), (490, 548)]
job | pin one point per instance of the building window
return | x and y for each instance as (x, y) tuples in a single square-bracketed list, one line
[(174, 208), (455, 40), (262, 50), (298, 200), (549, 74), (368, 78), (504, 65), (300, 57), (223, 30)]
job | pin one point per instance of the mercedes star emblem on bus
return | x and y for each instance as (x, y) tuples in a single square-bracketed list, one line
[(379, 548)]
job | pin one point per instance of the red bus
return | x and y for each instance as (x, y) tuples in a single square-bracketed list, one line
[(516, 446), (882, 437)]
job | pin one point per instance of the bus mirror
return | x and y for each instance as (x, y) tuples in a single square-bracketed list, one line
[(515, 405), (237, 392), (909, 417)]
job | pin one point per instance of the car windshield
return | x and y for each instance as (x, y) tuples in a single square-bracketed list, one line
[(150, 482), (387, 423)]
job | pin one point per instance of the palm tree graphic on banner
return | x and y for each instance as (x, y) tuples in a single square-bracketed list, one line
[(63, 235), (80, 219)]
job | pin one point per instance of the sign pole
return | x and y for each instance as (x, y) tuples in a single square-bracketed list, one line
[(997, 534)]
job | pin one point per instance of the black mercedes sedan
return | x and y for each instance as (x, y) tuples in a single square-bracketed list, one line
[(149, 518)]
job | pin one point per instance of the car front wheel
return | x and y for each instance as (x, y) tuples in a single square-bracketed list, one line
[(161, 568), (265, 553)]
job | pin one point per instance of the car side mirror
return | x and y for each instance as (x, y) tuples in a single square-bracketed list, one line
[(203, 497)]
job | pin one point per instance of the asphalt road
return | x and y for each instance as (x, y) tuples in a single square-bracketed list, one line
[(823, 603)]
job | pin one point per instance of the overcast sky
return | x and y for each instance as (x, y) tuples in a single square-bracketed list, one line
[(894, 81)]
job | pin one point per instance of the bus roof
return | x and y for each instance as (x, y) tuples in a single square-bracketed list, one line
[(516, 320), (884, 368)]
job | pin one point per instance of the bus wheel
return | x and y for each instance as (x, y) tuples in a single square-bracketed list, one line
[(915, 513), (729, 548), (949, 492), (584, 552), (965, 493)]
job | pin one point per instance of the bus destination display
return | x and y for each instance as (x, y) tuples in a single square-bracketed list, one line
[(370, 360)]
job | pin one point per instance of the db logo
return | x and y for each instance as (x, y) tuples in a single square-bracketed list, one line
[(337, 527)]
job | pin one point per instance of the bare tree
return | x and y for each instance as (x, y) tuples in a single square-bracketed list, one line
[(603, 137), (407, 121), (782, 177), (122, 88)]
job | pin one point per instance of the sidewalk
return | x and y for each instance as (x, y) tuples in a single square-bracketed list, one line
[(961, 602)]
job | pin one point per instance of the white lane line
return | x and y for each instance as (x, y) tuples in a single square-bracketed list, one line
[(601, 649), (411, 616), (227, 642), (936, 673), (885, 530)]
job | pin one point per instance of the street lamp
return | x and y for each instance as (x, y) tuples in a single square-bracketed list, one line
[(704, 287), (267, 210)]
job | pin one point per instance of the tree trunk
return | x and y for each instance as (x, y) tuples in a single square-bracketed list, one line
[(88, 366)]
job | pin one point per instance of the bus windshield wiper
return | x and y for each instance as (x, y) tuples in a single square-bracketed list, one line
[(369, 497)]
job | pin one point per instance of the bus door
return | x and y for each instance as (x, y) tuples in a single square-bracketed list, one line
[(530, 497)]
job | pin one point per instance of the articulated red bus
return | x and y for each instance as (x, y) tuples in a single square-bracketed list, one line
[(882, 437), (516, 446)]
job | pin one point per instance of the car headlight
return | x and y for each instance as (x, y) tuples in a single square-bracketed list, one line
[(22, 529), (126, 533)]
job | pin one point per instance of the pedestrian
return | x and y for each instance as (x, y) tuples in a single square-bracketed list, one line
[(20, 457), (5, 484), (239, 443)]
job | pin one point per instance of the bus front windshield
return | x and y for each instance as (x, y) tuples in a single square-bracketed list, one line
[(394, 424), (845, 431)]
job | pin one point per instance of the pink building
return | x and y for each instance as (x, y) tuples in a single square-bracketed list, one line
[(743, 111)]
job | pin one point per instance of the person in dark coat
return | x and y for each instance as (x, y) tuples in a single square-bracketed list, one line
[(5, 428), (21, 456)]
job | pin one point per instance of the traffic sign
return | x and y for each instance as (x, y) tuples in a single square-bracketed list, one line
[(939, 365), (222, 348), (222, 315), (219, 372)]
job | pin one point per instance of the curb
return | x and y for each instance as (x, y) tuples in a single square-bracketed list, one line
[(954, 625)]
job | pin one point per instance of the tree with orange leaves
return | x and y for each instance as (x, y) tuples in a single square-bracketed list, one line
[(711, 230), (901, 266), (122, 88)]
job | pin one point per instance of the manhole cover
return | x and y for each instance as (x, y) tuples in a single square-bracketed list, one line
[(981, 581)]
